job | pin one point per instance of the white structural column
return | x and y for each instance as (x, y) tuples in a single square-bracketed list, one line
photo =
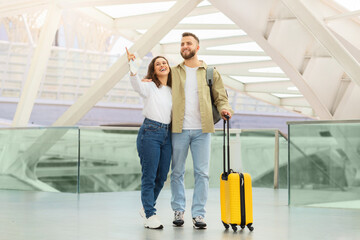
[(326, 38), (118, 70), (37, 67), (253, 20)]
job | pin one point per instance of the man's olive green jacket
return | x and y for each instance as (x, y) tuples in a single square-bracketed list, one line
[(178, 75)]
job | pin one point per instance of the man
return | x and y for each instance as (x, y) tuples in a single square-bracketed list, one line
[(192, 125)]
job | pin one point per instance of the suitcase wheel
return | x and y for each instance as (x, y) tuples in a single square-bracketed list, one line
[(242, 226), (233, 226), (225, 225), (250, 227)]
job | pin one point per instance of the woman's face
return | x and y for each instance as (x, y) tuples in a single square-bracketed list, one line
[(161, 67)]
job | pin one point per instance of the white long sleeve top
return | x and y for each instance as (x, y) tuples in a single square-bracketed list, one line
[(157, 101)]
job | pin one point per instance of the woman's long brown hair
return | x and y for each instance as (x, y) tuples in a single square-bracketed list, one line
[(151, 72)]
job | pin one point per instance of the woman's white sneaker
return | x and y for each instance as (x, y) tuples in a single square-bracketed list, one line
[(142, 213), (153, 222)]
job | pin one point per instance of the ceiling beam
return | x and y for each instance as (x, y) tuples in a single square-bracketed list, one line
[(239, 16), (318, 29), (294, 101), (108, 23), (271, 87), (232, 83), (129, 34), (265, 97)]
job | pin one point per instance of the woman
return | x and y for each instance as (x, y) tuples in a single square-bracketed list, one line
[(154, 138)]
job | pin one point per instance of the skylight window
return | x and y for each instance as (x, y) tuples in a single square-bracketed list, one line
[(246, 79), (251, 46), (208, 19), (204, 3), (284, 95), (175, 35), (267, 70), (292, 89), (212, 59), (126, 10), (351, 5)]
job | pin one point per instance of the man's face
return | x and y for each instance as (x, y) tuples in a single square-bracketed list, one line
[(189, 47)]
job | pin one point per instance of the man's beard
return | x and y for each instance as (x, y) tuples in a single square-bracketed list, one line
[(190, 54)]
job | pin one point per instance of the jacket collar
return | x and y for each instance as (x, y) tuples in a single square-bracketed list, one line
[(203, 65)]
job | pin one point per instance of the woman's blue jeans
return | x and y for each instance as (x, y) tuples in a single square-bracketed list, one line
[(154, 149)]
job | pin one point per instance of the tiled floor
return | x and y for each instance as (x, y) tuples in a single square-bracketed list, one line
[(101, 216)]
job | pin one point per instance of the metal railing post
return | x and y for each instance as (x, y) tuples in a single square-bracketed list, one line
[(276, 160)]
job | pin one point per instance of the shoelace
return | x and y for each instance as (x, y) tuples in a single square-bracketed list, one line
[(199, 219), (178, 215)]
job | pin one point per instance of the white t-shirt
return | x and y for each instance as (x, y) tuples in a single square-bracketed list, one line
[(157, 101), (192, 118)]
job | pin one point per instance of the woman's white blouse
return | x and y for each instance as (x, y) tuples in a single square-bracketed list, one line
[(157, 101)]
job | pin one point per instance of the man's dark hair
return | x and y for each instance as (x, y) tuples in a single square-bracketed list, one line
[(189, 34)]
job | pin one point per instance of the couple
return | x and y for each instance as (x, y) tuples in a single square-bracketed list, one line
[(180, 96)]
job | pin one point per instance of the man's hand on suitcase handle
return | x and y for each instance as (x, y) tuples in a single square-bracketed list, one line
[(226, 115)]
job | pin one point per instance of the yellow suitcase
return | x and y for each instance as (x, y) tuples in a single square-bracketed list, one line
[(235, 195)]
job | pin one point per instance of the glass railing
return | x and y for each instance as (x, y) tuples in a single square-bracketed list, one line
[(105, 159), (324, 163), (108, 159), (39, 159), (264, 156)]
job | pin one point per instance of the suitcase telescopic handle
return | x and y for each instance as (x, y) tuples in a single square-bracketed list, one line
[(226, 122)]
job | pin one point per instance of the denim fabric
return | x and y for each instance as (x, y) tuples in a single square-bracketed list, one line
[(154, 149), (200, 150)]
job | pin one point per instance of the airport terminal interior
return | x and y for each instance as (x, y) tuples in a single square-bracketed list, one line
[(69, 117)]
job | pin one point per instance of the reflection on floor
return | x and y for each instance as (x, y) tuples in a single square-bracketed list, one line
[(344, 204), (101, 216)]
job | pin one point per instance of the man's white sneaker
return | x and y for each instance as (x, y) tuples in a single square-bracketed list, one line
[(153, 222), (199, 222), (178, 218)]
